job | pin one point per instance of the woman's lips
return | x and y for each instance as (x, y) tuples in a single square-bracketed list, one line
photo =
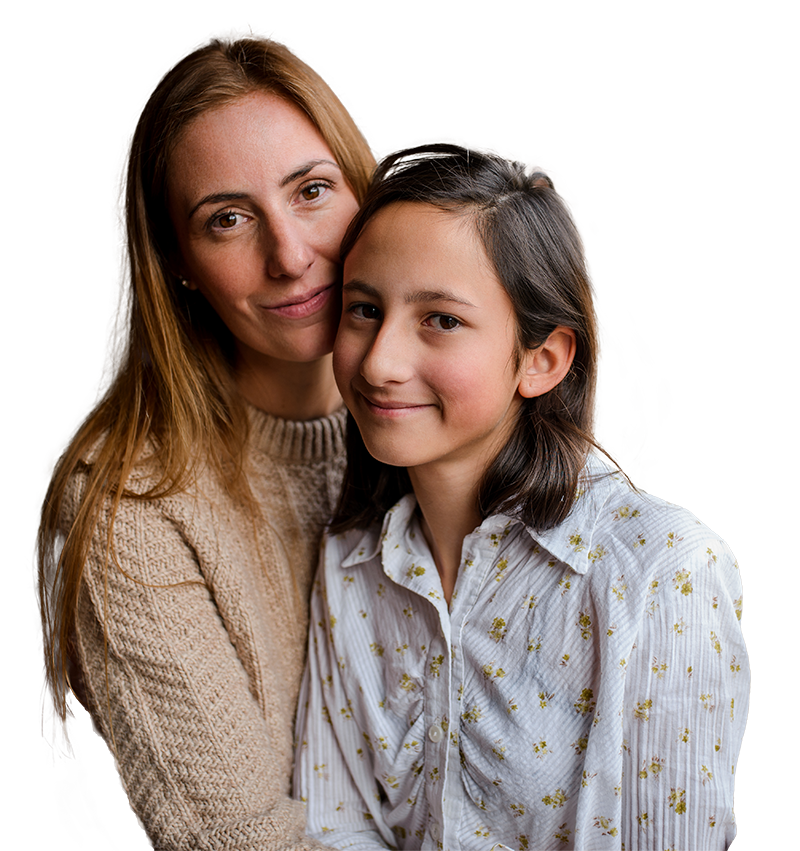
[(303, 305)]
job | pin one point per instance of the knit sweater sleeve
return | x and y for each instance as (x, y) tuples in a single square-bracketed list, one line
[(204, 760)]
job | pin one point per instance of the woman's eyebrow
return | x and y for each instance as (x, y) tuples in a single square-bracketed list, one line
[(417, 297), (305, 169), (216, 198)]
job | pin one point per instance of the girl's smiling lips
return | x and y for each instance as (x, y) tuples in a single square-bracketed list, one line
[(391, 408), (303, 305)]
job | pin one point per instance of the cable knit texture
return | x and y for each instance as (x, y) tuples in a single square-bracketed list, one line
[(205, 632)]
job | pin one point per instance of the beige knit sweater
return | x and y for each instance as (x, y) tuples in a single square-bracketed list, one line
[(205, 638)]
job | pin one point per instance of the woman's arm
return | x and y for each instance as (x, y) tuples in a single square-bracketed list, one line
[(203, 746)]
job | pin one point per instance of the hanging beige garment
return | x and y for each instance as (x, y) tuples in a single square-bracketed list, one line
[(527, 99)]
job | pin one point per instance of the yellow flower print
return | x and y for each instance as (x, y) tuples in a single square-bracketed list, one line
[(685, 736), (544, 699), (644, 820), (652, 768), (540, 749), (619, 588), (584, 624), (715, 643), (639, 542), (522, 841), (347, 711), (501, 569), (376, 649), (535, 647), (517, 809), (712, 559), (706, 700), (580, 745), (564, 583), (679, 627), (677, 801), (605, 826), (672, 540), (498, 630), (597, 553), (381, 589), (436, 664), (391, 781), (585, 703), (409, 611), (472, 716), (564, 660), (415, 570), (737, 607), (512, 706), (659, 668), (556, 800), (531, 601), (587, 778), (707, 775), (625, 513), (482, 831), (500, 750), (434, 775), (576, 542), (682, 583), (401, 649), (407, 684), (320, 770), (641, 710), (562, 835)]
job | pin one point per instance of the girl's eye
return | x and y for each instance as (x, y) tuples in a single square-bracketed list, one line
[(364, 311), (443, 322)]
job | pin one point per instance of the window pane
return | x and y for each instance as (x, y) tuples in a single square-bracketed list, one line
[(701, 444), (700, 72)]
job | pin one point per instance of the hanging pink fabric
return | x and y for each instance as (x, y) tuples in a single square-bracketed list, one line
[(527, 99)]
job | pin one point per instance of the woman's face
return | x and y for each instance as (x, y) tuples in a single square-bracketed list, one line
[(259, 206)]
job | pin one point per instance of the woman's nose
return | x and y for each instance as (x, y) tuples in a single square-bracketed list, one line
[(288, 252), (388, 360)]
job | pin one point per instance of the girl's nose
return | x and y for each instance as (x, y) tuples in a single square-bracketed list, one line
[(288, 253), (388, 360)]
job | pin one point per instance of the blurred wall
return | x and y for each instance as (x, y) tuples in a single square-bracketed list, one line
[(85, 83)]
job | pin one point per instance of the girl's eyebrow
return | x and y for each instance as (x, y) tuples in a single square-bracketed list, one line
[(418, 297)]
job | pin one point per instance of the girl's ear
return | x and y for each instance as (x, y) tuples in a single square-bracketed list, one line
[(544, 367)]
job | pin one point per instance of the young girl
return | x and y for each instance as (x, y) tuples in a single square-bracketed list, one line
[(509, 644)]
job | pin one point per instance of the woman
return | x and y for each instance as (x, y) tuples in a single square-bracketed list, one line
[(181, 525)]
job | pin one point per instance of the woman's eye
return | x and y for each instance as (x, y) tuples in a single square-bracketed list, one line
[(443, 322), (227, 220), (313, 191)]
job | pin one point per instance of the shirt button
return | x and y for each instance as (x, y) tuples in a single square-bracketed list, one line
[(435, 733)]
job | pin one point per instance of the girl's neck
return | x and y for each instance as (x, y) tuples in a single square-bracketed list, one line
[(292, 391), (448, 504)]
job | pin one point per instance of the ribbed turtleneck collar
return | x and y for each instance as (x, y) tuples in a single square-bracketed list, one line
[(298, 441)]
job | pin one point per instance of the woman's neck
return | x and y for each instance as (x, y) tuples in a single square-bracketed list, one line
[(292, 391), (448, 503)]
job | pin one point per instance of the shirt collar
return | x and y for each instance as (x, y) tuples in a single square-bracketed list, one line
[(571, 541)]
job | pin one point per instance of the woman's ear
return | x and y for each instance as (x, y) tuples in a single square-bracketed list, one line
[(546, 366)]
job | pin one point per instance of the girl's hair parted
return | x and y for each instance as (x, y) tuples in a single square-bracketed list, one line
[(173, 399), (537, 254)]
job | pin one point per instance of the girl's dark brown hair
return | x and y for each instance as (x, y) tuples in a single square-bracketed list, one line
[(537, 254)]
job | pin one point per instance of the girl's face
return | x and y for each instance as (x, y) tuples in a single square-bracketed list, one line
[(259, 206), (425, 354)]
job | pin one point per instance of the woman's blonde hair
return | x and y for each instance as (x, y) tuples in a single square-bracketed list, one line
[(173, 397)]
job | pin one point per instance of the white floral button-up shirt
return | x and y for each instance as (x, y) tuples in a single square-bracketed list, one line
[(586, 689)]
